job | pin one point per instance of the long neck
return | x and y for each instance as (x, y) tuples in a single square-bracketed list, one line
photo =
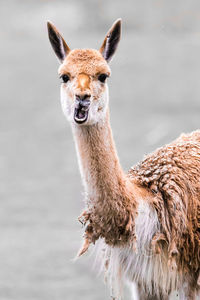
[(99, 164), (110, 195)]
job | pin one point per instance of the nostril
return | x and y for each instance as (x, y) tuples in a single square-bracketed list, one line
[(86, 97), (82, 101), (83, 97)]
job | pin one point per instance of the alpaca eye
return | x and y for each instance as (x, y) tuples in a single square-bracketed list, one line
[(64, 78), (102, 77)]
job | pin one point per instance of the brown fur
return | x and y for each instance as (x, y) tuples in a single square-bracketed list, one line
[(83, 82), (112, 208), (171, 173), (86, 61), (168, 179)]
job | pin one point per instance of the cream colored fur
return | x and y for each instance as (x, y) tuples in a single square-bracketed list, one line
[(141, 265)]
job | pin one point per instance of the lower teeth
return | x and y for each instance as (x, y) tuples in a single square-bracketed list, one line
[(80, 115)]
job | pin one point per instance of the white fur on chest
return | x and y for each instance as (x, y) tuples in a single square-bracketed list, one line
[(142, 265)]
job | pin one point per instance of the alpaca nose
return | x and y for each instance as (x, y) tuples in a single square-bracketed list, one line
[(83, 101)]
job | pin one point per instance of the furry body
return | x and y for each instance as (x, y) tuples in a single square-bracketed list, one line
[(170, 219), (160, 250), (171, 173)]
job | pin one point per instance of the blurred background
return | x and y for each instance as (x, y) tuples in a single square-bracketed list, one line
[(154, 96)]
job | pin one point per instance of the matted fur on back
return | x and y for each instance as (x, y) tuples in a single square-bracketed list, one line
[(172, 174)]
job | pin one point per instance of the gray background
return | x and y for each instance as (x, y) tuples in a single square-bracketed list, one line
[(154, 96)]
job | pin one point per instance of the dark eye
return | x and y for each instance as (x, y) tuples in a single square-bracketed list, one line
[(64, 78), (102, 77)]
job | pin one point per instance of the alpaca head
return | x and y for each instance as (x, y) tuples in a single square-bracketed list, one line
[(84, 72)]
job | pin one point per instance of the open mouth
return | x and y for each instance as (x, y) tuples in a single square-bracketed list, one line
[(80, 114)]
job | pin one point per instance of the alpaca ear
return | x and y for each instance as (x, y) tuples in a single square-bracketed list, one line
[(58, 44), (111, 41)]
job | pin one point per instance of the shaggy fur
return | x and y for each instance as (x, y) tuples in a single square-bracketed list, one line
[(172, 175), (165, 219), (145, 224), (167, 226)]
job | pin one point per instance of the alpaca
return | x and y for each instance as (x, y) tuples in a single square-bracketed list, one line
[(145, 224)]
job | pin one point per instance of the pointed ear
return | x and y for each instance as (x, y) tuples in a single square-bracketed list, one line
[(111, 41), (58, 44)]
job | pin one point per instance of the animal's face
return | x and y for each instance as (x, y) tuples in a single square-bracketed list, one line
[(84, 73), (84, 91)]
